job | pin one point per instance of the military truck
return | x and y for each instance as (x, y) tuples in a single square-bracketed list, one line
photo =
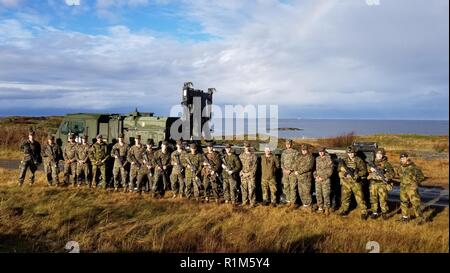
[(135, 123)]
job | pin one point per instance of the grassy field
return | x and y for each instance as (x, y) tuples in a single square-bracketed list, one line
[(44, 219)]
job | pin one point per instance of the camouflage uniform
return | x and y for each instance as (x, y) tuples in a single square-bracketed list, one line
[(83, 163), (378, 189), (161, 175), (249, 163), (122, 152), (192, 176), (99, 155), (210, 181), (304, 168), (147, 169), (177, 175), (324, 170), (288, 158), (234, 165), (410, 178), (70, 162), (135, 157), (269, 165), (52, 154), (350, 185)]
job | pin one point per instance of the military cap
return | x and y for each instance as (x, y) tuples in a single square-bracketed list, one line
[(403, 155), (381, 150), (246, 144), (179, 142), (99, 136), (289, 141), (321, 149), (50, 137), (71, 136), (85, 137), (137, 137), (165, 143), (193, 146), (304, 147), (150, 141), (350, 149), (31, 131), (228, 145), (209, 144), (121, 135)]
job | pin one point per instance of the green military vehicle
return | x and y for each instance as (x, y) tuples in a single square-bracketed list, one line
[(135, 123)]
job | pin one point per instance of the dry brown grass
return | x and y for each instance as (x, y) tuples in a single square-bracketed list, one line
[(106, 222)]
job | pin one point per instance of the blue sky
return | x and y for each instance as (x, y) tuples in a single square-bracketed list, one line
[(314, 58)]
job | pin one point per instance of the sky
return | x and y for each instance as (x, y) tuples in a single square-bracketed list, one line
[(312, 58)]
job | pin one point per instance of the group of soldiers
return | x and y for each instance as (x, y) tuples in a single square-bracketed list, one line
[(212, 175)]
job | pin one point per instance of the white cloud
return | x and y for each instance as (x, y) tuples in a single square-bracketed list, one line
[(10, 3)]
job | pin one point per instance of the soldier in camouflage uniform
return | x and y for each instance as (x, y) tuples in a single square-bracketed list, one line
[(353, 184), (31, 157), (120, 153), (70, 160), (269, 166), (378, 188), (210, 172), (135, 157), (161, 161), (249, 163), (51, 154), (303, 170), (231, 166), (289, 179), (193, 169), (177, 175), (98, 156), (410, 178), (322, 174), (83, 163), (148, 167)]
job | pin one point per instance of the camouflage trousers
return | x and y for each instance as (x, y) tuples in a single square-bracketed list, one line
[(269, 190), (51, 171), (323, 191), (230, 189), (99, 170), (410, 195), (301, 186), (379, 195), (349, 187), (70, 171), (210, 184), (83, 169), (145, 173), (160, 182), (192, 183), (286, 182), (248, 189), (119, 171), (134, 172), (24, 166), (177, 182)]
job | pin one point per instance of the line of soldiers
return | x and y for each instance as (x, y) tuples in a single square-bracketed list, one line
[(212, 175)]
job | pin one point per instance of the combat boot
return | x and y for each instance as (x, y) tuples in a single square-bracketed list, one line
[(343, 213), (319, 210), (403, 219), (327, 211), (274, 205), (374, 215), (364, 216), (384, 215)]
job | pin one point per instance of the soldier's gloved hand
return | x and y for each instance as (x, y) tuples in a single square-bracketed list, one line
[(230, 172), (212, 172), (372, 169), (223, 166)]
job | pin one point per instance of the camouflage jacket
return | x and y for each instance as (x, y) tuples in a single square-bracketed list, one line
[(269, 166), (231, 163), (288, 158), (357, 164), (31, 151), (121, 149), (99, 153), (174, 161), (163, 159), (83, 152), (70, 151), (214, 160), (249, 164), (135, 155), (324, 167), (385, 167), (52, 153), (410, 174), (148, 158), (196, 160), (304, 165)]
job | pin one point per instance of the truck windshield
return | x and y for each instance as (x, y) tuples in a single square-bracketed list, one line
[(72, 126)]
